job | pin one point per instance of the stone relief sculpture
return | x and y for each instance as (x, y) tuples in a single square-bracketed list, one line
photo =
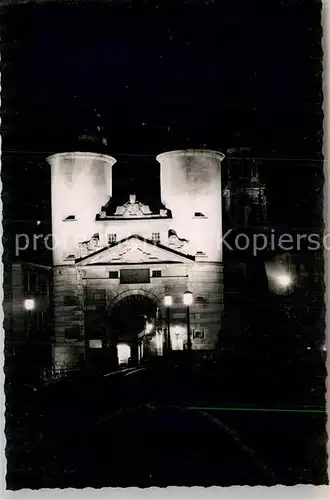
[(133, 208), (175, 242), (89, 246)]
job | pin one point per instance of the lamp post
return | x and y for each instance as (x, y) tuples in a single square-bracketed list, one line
[(188, 300), (167, 303), (29, 305)]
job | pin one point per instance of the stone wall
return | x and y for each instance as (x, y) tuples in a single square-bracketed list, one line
[(72, 286)]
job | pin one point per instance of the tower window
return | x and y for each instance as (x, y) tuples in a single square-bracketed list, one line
[(156, 273), (113, 275), (72, 333), (199, 214), (112, 238), (156, 237)]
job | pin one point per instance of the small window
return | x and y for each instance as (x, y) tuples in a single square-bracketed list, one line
[(198, 334), (112, 239), (113, 275), (156, 237), (156, 273), (70, 217), (98, 297), (72, 333), (70, 300), (199, 214)]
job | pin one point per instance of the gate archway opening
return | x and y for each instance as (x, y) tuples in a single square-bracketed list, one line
[(129, 317)]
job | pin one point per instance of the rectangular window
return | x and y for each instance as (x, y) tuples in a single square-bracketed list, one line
[(156, 237), (135, 276), (95, 343), (112, 238), (72, 333), (70, 300), (156, 273), (198, 334), (113, 275)]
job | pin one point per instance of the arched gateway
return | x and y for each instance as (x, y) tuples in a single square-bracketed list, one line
[(130, 315)]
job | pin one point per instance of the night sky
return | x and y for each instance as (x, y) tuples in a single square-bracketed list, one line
[(202, 74)]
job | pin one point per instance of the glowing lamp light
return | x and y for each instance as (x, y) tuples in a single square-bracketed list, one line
[(124, 353), (168, 300), (149, 327), (187, 298), (284, 280), (29, 304)]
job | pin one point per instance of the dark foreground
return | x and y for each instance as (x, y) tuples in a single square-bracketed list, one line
[(160, 425)]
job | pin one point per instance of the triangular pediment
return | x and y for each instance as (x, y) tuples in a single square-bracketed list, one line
[(134, 249)]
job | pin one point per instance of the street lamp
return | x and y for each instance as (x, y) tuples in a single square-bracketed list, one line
[(29, 304), (167, 303), (188, 300)]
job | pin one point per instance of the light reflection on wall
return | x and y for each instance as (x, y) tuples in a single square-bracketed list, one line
[(124, 353), (158, 340), (178, 335)]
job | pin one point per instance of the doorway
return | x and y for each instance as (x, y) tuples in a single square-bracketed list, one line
[(129, 318)]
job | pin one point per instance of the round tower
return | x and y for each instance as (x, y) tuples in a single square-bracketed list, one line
[(191, 189), (81, 185)]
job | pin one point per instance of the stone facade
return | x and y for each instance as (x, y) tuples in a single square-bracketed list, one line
[(101, 258)]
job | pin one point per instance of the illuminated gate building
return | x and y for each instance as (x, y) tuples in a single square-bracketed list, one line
[(114, 264)]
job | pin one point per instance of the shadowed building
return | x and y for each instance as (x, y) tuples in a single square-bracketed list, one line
[(114, 262), (28, 318)]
